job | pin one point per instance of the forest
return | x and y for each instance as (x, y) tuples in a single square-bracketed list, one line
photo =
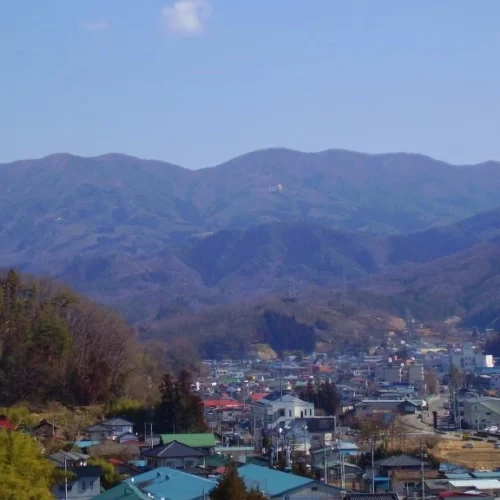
[(57, 346)]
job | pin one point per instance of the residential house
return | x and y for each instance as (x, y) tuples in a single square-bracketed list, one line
[(6, 424), (84, 483), (112, 428), (174, 455), (407, 482), (204, 441), (46, 429), (69, 459), (371, 496), (386, 468), (277, 484), (161, 483)]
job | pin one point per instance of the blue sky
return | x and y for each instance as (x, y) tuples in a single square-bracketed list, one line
[(196, 82)]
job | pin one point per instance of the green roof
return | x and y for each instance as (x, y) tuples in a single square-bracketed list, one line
[(197, 440), (123, 491)]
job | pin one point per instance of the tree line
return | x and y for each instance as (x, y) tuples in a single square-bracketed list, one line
[(57, 346), (324, 395)]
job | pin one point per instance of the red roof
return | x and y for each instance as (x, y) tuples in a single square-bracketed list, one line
[(5, 423), (115, 461), (221, 469), (259, 395), (221, 403)]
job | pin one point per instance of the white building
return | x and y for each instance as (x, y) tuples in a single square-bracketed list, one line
[(467, 360), (276, 411), (482, 412)]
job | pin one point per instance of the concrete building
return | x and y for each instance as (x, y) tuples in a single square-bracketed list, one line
[(388, 372), (416, 374), (277, 410), (467, 360)]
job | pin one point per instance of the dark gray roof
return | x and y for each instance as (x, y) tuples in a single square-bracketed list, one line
[(71, 456), (173, 449), (371, 496), (117, 421), (400, 461)]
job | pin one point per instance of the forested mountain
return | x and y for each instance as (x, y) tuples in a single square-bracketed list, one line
[(158, 241)]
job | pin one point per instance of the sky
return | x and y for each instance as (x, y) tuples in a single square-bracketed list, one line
[(197, 82)]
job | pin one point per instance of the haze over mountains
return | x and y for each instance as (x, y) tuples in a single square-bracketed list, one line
[(152, 238)]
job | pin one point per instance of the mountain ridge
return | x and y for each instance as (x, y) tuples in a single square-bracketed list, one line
[(151, 237)]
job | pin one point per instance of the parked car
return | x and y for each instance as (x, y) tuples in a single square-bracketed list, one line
[(468, 445), (497, 446)]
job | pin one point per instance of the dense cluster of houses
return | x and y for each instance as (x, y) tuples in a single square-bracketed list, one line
[(257, 413)]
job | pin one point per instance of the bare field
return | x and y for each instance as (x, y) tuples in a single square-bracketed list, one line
[(482, 456)]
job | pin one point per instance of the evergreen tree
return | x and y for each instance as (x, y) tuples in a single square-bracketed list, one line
[(324, 396), (232, 487), (180, 409)]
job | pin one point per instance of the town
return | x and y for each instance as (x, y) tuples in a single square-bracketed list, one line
[(413, 417)]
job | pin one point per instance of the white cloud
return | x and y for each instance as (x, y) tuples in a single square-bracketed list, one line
[(94, 25), (186, 17)]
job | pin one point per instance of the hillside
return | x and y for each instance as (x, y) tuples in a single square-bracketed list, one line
[(58, 346), (326, 323), (157, 241)]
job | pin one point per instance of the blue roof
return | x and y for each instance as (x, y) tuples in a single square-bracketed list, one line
[(272, 482), (454, 476), (486, 475), (86, 443), (172, 484)]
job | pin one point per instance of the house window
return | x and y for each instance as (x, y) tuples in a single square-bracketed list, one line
[(310, 412), (189, 463), (83, 485), (488, 413), (91, 485), (289, 413), (409, 485), (282, 413), (301, 414)]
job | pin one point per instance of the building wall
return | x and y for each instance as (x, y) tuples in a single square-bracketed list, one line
[(477, 416), (83, 489), (315, 490), (279, 413), (415, 374)]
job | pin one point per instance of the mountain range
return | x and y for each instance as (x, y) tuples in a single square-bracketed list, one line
[(156, 240)]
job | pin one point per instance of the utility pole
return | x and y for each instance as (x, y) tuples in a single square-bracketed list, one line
[(326, 467), (423, 468), (151, 431), (373, 465), (65, 478)]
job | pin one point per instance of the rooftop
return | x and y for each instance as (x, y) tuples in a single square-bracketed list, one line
[(271, 481), (174, 449), (195, 440)]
